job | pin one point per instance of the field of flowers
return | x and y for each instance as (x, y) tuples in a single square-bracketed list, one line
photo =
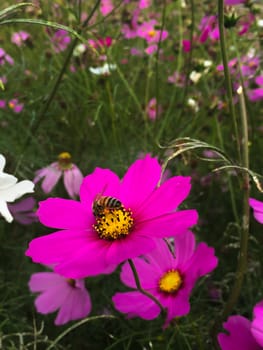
[(131, 188)]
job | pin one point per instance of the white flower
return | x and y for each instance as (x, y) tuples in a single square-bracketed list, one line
[(104, 70), (10, 190)]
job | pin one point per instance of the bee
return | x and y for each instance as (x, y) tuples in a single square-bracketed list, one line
[(103, 204)]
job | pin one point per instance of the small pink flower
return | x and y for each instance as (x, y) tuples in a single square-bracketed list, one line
[(257, 207), (243, 334), (18, 38), (169, 275), (68, 296), (23, 211), (129, 31), (2, 104), (177, 79), (5, 58), (114, 220), (106, 7), (143, 4), (52, 173), (60, 40), (15, 105), (186, 45), (151, 109), (147, 31)]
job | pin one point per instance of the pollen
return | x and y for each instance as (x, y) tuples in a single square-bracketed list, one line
[(170, 282), (114, 224)]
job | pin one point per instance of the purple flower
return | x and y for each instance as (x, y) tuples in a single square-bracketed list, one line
[(23, 211), (68, 296), (168, 276), (15, 105), (18, 38), (4, 57), (257, 207), (243, 334), (52, 173), (60, 40), (115, 220)]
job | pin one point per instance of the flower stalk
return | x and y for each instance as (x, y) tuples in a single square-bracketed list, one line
[(140, 289)]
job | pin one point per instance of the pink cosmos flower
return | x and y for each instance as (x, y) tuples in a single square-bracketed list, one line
[(151, 109), (63, 167), (242, 333), (95, 236), (68, 296), (129, 31), (257, 93), (60, 40), (15, 105), (5, 58), (23, 211), (106, 7), (257, 207), (147, 31), (168, 276), (177, 78), (143, 4), (18, 38)]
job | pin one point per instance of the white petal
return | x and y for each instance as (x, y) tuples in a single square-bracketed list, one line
[(2, 162), (7, 180), (19, 189), (4, 211)]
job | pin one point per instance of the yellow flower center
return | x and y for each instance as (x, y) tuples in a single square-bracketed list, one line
[(11, 105), (64, 161), (114, 223), (152, 33), (170, 282)]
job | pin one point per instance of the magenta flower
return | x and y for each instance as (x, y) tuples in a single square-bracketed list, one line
[(68, 296), (257, 207), (115, 220), (151, 109), (23, 211), (60, 40), (169, 277), (106, 7), (63, 167), (5, 58), (242, 333), (15, 105), (148, 32), (18, 38)]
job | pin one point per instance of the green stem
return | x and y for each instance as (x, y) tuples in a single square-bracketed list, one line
[(139, 287), (228, 81), (55, 87)]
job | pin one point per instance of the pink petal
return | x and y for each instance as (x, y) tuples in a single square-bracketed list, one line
[(148, 274), (101, 182), (161, 258), (239, 336), (52, 299), (89, 261), (177, 305), (136, 304), (257, 323), (139, 182), (128, 248), (184, 247), (77, 306), (50, 179), (168, 225), (41, 281), (170, 194), (258, 209), (64, 213), (58, 246), (72, 181)]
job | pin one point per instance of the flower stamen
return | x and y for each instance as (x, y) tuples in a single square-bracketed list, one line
[(171, 281), (64, 161), (114, 223)]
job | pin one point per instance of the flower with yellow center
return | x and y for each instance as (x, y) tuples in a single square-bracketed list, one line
[(152, 33), (170, 282), (64, 161)]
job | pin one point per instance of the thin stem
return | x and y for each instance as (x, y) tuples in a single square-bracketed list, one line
[(228, 82), (139, 287), (55, 87)]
